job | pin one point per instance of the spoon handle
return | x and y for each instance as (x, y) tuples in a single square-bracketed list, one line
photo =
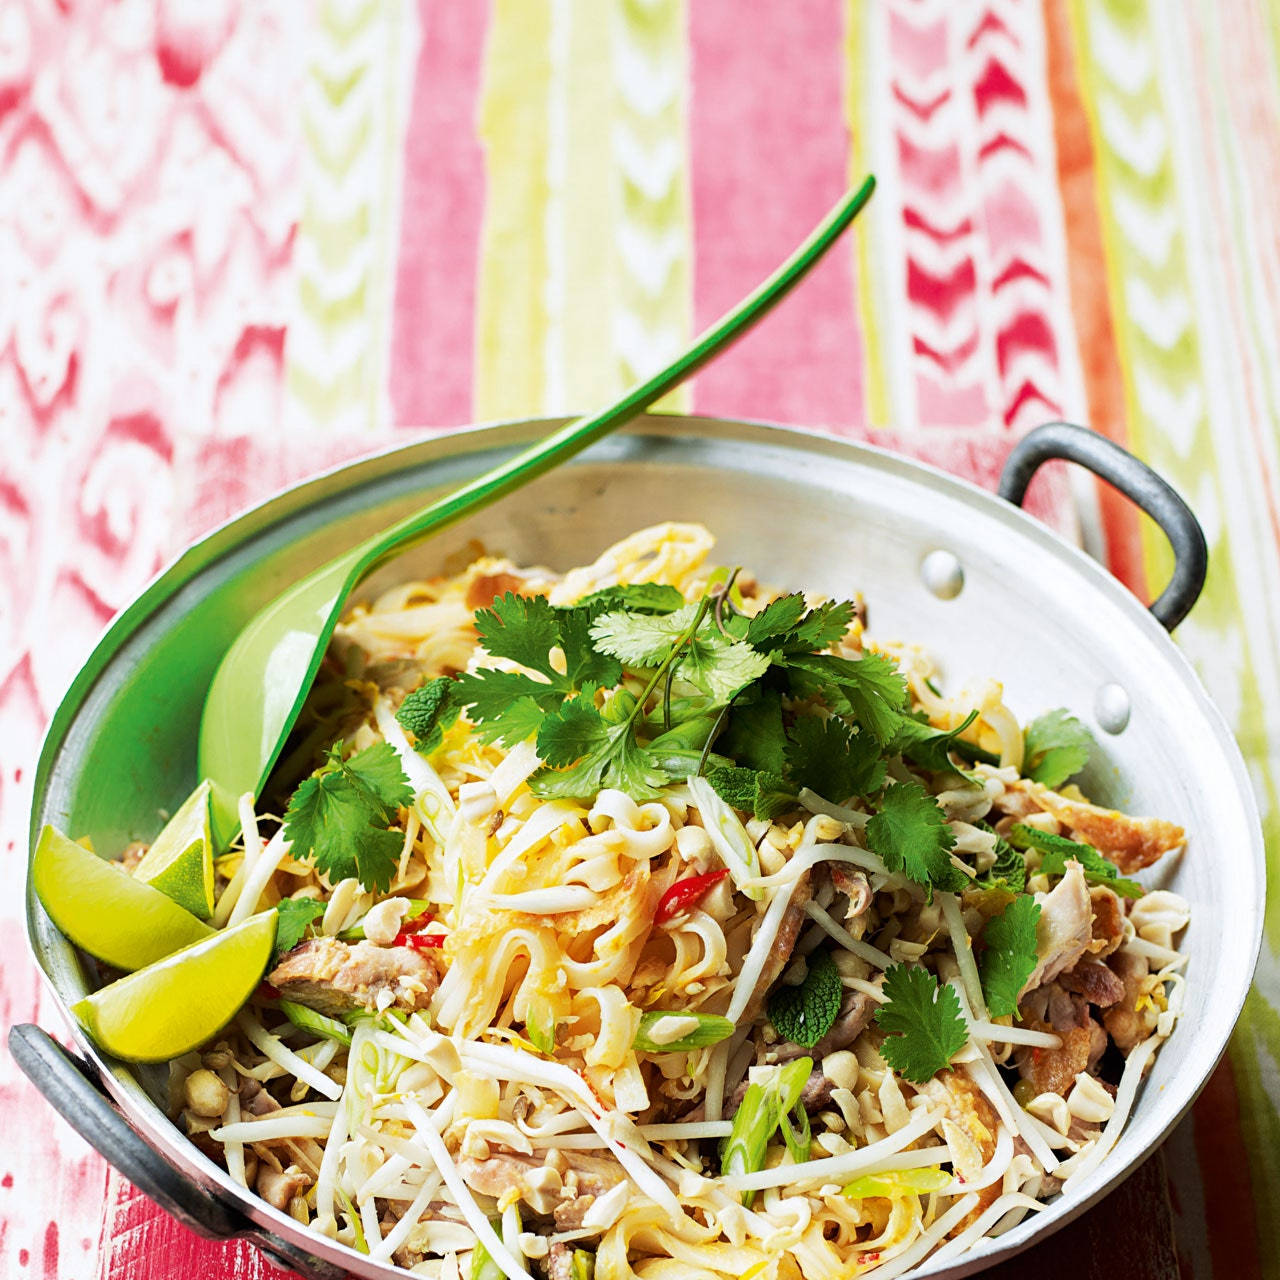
[(579, 434)]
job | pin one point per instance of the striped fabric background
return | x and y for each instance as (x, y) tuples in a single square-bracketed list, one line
[(241, 241)]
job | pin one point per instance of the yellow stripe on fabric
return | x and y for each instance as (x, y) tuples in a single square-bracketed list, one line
[(585, 281), (511, 314), (1187, 347), (354, 106), (869, 301)]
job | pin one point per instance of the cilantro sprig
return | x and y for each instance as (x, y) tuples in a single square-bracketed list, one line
[(1056, 746), (910, 833), (1009, 954), (925, 1026), (341, 816)]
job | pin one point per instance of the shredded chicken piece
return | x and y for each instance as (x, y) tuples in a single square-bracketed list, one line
[(1094, 981), (278, 1188), (567, 1197), (793, 920), (856, 886), (1064, 929), (336, 977)]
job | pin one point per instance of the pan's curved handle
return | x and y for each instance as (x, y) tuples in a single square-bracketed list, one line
[(1137, 482), (68, 1085)]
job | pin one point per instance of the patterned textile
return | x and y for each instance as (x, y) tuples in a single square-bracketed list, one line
[(241, 241)]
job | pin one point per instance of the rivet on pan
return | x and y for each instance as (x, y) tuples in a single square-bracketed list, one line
[(942, 574), (1111, 708)]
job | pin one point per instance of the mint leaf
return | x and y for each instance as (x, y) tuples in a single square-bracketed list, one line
[(341, 815), (804, 1014), (827, 757), (762, 794), (1009, 955), (428, 711), (1057, 851), (910, 833), (925, 1026), (296, 915), (1056, 746)]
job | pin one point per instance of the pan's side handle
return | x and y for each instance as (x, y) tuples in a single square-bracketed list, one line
[(1139, 483), (65, 1081)]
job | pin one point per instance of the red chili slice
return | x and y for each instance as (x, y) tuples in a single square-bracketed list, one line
[(685, 894), (420, 941)]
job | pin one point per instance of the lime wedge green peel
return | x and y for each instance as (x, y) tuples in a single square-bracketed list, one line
[(179, 1002), (104, 910), (180, 861)]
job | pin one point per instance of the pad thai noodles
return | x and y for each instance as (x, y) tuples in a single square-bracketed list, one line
[(645, 921)]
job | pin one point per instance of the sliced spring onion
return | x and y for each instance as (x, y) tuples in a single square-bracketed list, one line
[(758, 1118), (584, 1265), (800, 1139), (540, 1025), (310, 1020), (728, 835), (893, 1186), (483, 1266), (675, 1031)]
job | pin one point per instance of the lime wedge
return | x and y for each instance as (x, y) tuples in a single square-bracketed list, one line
[(181, 1001), (180, 861), (104, 910)]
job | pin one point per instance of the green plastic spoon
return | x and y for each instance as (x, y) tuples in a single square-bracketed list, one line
[(261, 684)]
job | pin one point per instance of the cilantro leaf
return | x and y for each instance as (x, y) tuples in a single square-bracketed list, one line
[(296, 915), (720, 667), (717, 665), (583, 753), (825, 756), (1056, 746), (638, 597), (428, 711), (804, 1014), (784, 625), (642, 640), (507, 706), (910, 833), (522, 628), (1010, 954), (1057, 851), (773, 625), (754, 791), (926, 746), (871, 689), (341, 815), (755, 735), (1009, 871), (926, 1028)]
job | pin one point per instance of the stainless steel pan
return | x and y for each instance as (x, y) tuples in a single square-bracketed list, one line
[(989, 590)]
